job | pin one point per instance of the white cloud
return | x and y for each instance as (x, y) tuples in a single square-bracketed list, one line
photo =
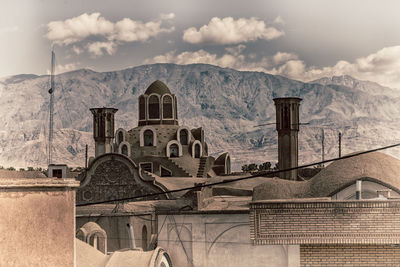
[(128, 30), (98, 48), (77, 50), (279, 20), (230, 31), (282, 57), (382, 67), (167, 16), (77, 29), (65, 68)]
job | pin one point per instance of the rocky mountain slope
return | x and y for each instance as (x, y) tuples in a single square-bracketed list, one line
[(229, 104)]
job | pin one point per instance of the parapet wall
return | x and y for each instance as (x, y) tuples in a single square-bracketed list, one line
[(37, 221)]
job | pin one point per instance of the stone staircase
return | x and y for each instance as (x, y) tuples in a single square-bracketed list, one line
[(186, 174), (202, 166)]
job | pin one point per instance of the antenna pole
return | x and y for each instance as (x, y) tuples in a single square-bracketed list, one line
[(340, 144), (51, 108), (323, 144), (86, 157)]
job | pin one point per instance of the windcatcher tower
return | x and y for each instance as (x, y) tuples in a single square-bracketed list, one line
[(287, 125), (103, 129)]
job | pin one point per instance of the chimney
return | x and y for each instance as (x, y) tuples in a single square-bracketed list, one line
[(287, 125), (103, 129), (358, 189)]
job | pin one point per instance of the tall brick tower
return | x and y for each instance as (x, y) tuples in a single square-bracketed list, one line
[(287, 125), (103, 129)]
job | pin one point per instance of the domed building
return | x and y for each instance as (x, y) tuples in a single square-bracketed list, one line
[(159, 144)]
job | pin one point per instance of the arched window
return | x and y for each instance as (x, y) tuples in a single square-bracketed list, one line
[(197, 150), (120, 137), (144, 238), (142, 108), (124, 150), (148, 138), (183, 137), (167, 107), (154, 107), (174, 151)]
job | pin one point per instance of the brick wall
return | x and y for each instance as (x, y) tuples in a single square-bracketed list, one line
[(325, 222), (349, 255)]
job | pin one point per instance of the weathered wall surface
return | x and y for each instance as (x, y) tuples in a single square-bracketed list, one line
[(218, 240), (117, 229), (349, 255), (37, 222)]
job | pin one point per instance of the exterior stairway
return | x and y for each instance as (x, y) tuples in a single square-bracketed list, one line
[(185, 173), (202, 166)]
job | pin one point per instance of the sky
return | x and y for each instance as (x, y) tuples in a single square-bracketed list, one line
[(303, 40)]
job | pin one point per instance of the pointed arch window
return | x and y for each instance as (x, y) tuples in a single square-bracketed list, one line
[(167, 107), (154, 107), (142, 108)]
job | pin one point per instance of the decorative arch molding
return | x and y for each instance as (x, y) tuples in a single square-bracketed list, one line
[(118, 134), (128, 146), (172, 107), (189, 134), (148, 107), (223, 233), (92, 232), (123, 180), (196, 142), (169, 148), (141, 135)]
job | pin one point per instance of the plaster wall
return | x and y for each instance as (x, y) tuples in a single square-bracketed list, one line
[(37, 224), (219, 240), (117, 229)]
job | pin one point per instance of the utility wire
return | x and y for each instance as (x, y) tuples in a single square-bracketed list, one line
[(262, 173)]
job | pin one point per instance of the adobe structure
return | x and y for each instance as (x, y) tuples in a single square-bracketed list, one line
[(287, 125), (158, 145)]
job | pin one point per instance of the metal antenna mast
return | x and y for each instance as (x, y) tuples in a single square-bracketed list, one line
[(51, 108)]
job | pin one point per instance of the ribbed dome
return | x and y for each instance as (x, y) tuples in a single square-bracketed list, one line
[(158, 87)]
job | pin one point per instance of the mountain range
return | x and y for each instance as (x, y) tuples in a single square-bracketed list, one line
[(227, 103)]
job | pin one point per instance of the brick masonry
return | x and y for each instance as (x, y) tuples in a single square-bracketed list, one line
[(349, 255), (325, 222)]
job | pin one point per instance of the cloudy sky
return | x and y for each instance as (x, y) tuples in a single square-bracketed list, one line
[(303, 40)]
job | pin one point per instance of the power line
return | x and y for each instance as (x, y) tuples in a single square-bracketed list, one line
[(262, 173)]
